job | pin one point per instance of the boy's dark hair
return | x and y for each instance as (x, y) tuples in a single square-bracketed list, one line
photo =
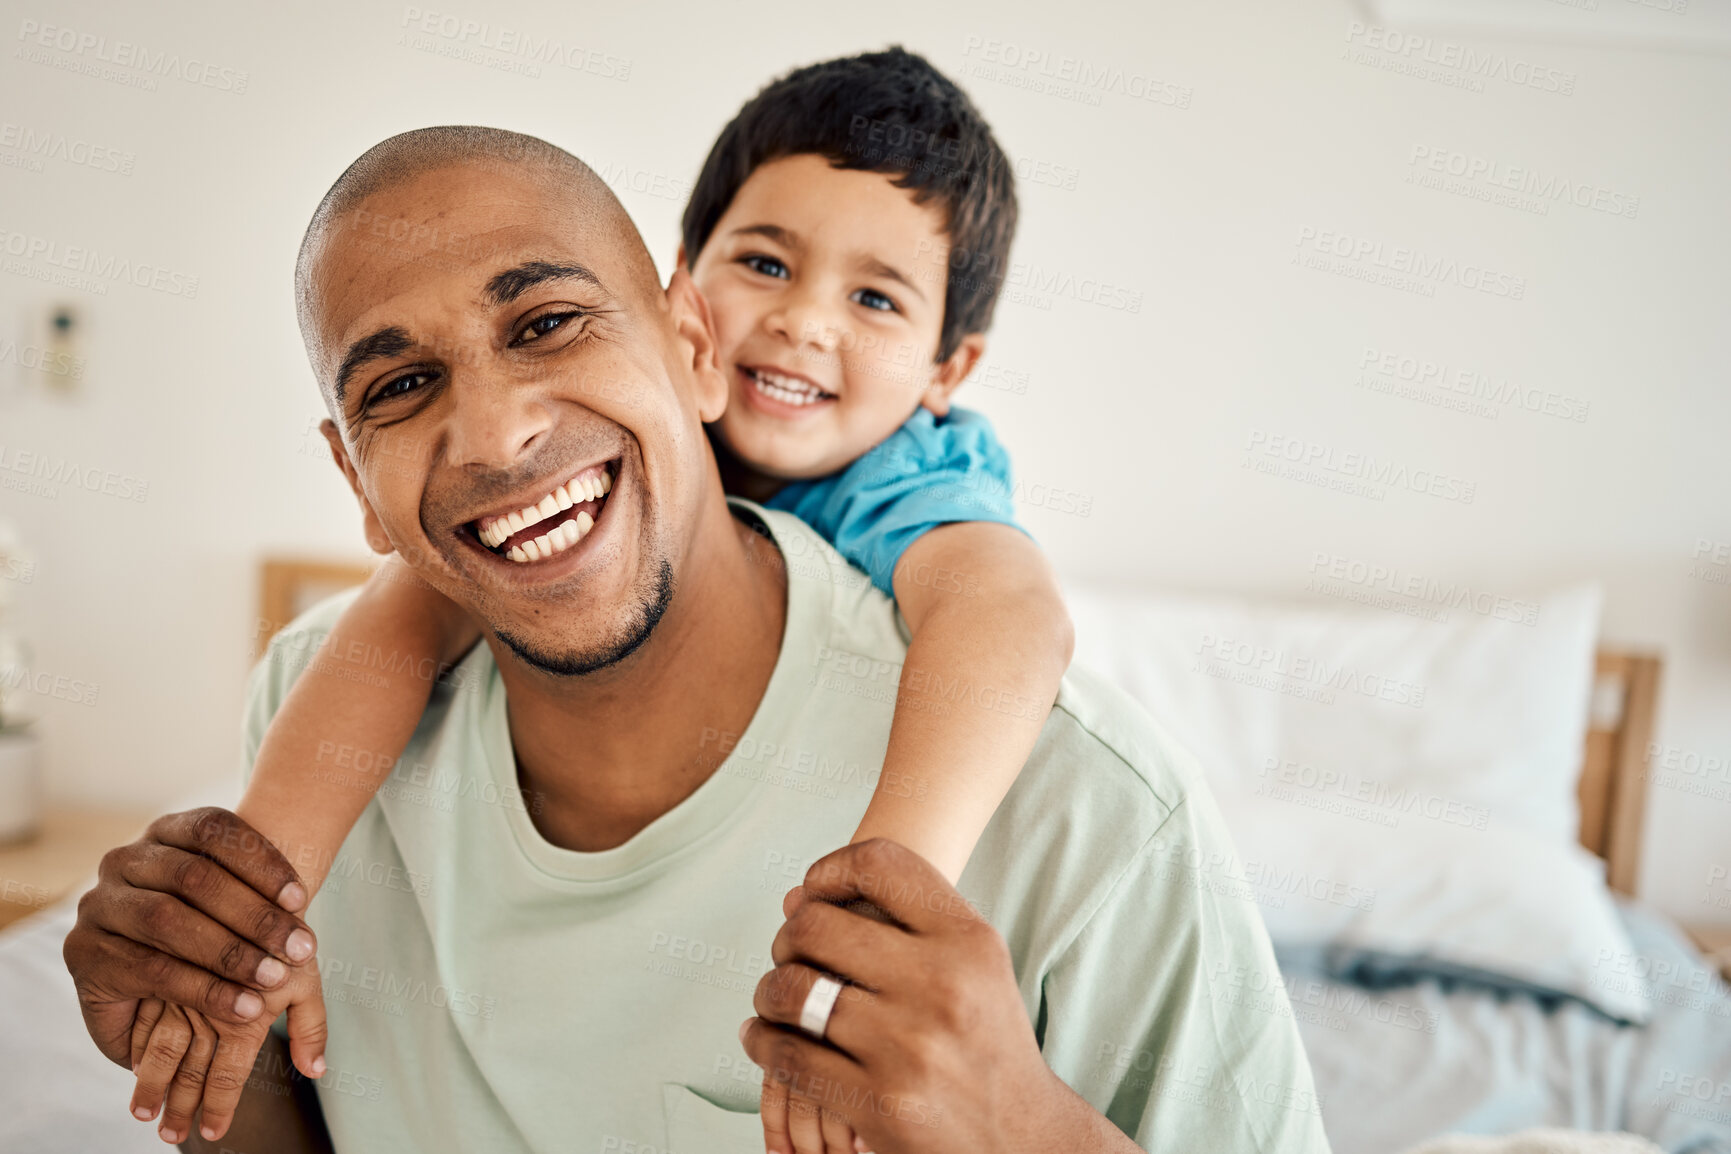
[(887, 111)]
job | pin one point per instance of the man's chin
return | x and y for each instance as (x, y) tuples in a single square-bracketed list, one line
[(565, 661)]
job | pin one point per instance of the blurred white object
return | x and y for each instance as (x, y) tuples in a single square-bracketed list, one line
[(20, 786), (20, 763)]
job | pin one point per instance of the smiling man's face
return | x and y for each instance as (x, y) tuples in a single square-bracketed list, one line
[(518, 403)]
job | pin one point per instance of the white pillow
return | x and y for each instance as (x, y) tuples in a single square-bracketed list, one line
[(1486, 714), (1397, 787)]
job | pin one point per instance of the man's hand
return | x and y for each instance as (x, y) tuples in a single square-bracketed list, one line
[(929, 1048), (199, 911)]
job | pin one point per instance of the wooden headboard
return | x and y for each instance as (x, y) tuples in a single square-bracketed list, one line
[(1613, 786), (288, 587)]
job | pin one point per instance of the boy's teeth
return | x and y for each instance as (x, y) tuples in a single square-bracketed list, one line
[(787, 390), (588, 486)]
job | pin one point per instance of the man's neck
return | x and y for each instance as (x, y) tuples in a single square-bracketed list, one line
[(605, 754)]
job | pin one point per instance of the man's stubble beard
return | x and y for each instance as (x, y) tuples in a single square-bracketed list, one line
[(651, 604)]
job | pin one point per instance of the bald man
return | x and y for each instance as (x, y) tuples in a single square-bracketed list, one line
[(697, 720)]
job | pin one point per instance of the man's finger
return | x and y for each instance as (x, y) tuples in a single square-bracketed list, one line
[(243, 851), (161, 920), (239, 912), (892, 877), (840, 941), (132, 971), (781, 995)]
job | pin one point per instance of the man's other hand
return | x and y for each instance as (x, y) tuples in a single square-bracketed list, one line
[(199, 911)]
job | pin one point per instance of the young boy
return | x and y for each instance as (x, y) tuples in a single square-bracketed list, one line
[(821, 233)]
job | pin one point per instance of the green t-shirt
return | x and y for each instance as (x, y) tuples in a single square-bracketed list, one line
[(488, 990)]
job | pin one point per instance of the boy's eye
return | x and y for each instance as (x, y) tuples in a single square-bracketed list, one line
[(873, 299), (541, 326), (767, 265)]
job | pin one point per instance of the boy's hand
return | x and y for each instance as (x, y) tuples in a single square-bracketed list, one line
[(792, 1122), (797, 1124), (202, 1065)]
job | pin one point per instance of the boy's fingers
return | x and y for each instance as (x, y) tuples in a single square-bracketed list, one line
[(805, 1124), (837, 1134), (158, 1060), (236, 1053), (143, 1021), (307, 1034), (772, 1107), (186, 1091)]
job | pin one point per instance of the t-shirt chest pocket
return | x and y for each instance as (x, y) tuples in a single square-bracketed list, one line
[(695, 1125)]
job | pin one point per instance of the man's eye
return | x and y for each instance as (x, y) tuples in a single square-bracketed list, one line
[(407, 383), (541, 326), (873, 299), (767, 265)]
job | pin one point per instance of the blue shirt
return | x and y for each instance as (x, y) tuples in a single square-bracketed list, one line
[(927, 473)]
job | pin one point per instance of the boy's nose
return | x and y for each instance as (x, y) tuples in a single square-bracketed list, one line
[(804, 321)]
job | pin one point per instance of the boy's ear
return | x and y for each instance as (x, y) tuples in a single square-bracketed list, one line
[(696, 330), (952, 372), (377, 539)]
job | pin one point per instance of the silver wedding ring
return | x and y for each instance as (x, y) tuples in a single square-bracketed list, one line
[(819, 1004)]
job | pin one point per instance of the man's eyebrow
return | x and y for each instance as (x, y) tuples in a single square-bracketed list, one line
[(872, 266), (387, 342), (785, 237), (514, 282)]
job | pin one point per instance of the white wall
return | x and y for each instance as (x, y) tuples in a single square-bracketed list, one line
[(1264, 124)]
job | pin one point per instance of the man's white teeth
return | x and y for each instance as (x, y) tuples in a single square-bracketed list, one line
[(587, 486), (556, 540), (787, 390)]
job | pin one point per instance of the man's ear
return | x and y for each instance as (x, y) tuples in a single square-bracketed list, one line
[(377, 539), (680, 261), (952, 372), (696, 329)]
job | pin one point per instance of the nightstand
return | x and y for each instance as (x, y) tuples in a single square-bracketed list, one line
[(61, 856), (1715, 942)]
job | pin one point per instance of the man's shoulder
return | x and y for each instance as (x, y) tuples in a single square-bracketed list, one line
[(1104, 796), (1132, 750)]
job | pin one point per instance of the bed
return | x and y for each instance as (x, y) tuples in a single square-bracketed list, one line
[(1408, 1040)]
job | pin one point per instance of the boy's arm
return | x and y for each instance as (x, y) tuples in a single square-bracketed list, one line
[(991, 641), (344, 723)]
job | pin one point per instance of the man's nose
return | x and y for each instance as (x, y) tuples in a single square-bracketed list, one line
[(495, 421)]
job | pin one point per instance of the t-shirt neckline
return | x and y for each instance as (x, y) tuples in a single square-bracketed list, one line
[(710, 805)]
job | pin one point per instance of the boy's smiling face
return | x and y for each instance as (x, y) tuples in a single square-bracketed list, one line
[(826, 287)]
